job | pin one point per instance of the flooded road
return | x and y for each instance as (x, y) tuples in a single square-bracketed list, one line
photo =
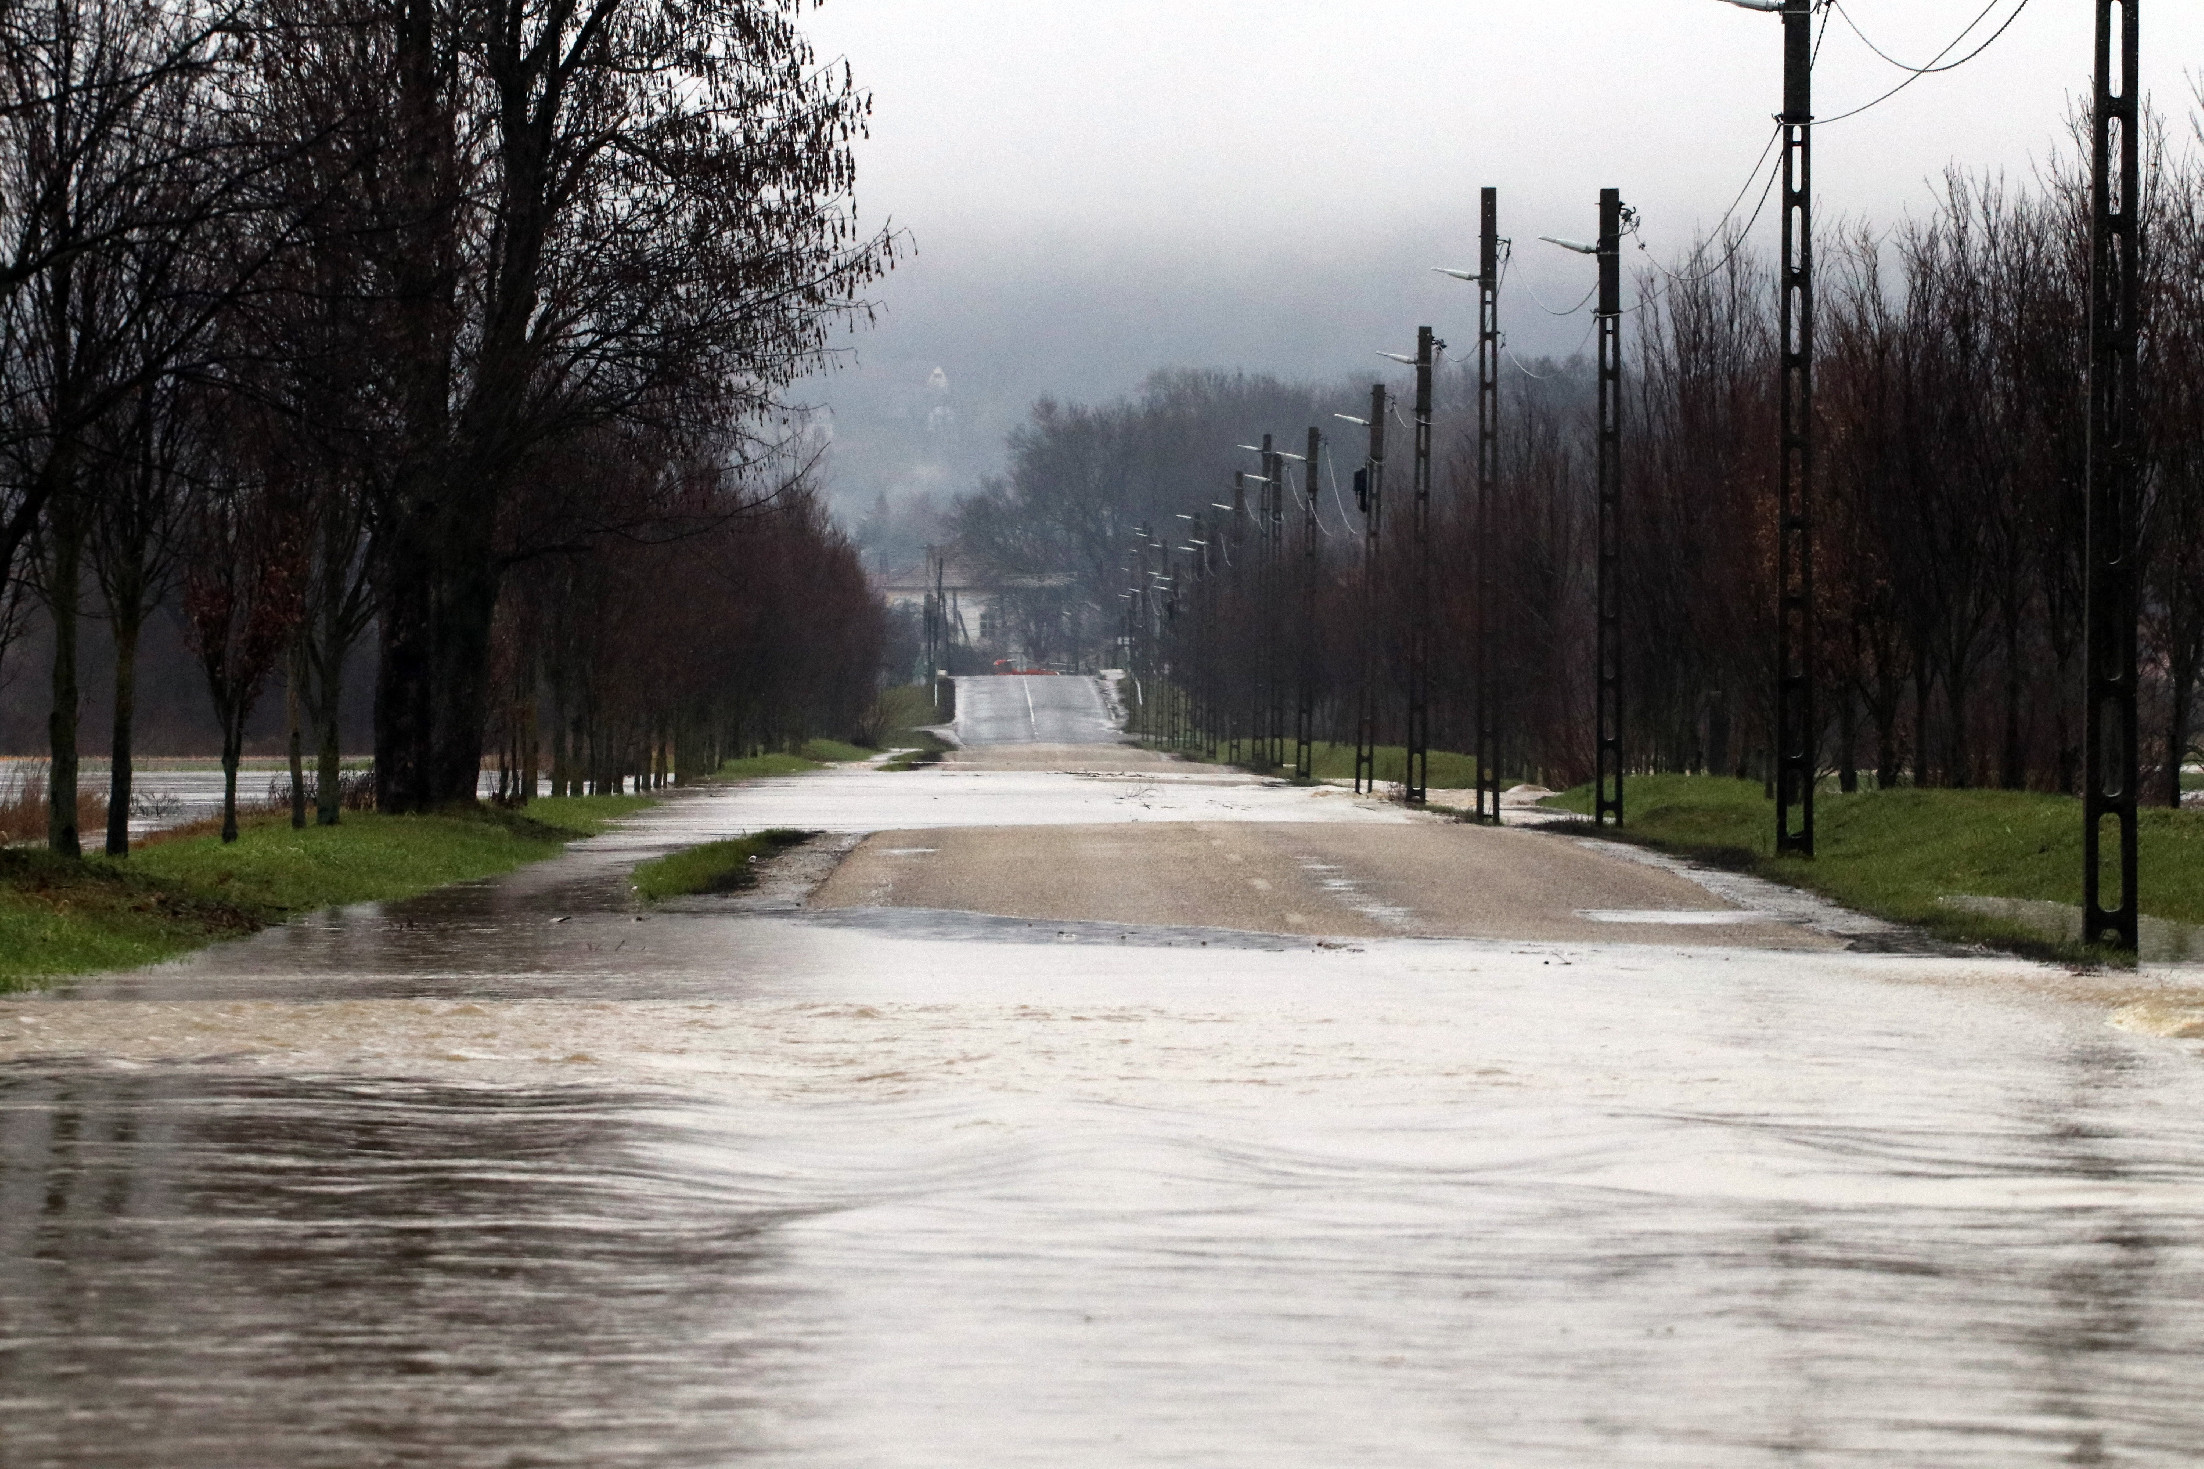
[(520, 1174)]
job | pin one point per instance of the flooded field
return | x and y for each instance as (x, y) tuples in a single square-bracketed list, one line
[(520, 1174)]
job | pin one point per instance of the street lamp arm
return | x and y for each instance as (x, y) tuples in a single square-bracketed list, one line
[(1577, 245)]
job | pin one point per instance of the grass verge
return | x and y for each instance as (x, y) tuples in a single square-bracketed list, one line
[(750, 767), (715, 867), (61, 916), (1896, 853)]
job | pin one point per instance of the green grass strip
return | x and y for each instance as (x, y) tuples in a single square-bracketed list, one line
[(715, 867), (1895, 853), (749, 767), (831, 751), (61, 916)]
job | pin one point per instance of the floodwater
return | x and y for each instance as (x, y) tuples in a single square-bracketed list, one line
[(518, 1175)]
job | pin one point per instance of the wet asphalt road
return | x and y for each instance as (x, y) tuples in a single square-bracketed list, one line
[(521, 1174), (1032, 710)]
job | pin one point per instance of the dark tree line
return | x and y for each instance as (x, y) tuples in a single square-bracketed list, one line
[(331, 320), (1952, 424)]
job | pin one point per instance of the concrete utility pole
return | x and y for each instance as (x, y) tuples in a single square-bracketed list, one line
[(1304, 719), (1798, 741), (1418, 772), (1370, 491), (1607, 799), (1488, 498), (1272, 606), (2111, 770), (1237, 716), (932, 617)]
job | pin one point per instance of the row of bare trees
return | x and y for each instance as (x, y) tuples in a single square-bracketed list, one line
[(1950, 490), (323, 320)]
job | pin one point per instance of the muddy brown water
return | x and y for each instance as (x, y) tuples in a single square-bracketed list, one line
[(505, 1176)]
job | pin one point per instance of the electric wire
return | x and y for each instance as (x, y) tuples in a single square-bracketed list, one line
[(1532, 292), (1934, 68), (1737, 243), (1331, 472), (1517, 363)]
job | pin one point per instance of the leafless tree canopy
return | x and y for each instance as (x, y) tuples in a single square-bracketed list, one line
[(1950, 500), (453, 292)]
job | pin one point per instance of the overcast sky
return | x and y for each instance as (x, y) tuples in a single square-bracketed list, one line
[(1097, 188)]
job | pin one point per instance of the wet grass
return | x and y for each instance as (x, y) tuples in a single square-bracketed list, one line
[(750, 767), (828, 752), (61, 916), (1895, 853), (583, 816), (715, 867)]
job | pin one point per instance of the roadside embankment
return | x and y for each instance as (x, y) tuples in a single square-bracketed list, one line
[(62, 916), (1979, 866)]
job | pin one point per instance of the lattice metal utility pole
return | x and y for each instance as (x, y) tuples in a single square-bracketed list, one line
[(1798, 742), (1304, 719), (933, 621), (1370, 485), (2110, 764), (1607, 728), (1488, 499), (1271, 605), (1418, 773), (1238, 716)]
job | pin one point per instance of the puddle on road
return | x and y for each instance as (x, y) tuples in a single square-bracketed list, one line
[(451, 1183)]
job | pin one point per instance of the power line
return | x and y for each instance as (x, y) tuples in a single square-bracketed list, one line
[(1737, 243), (1934, 66), (1573, 310)]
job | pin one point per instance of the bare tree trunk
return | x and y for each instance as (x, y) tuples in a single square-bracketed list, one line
[(122, 741), (2177, 733), (61, 725), (233, 744), (297, 741), (1921, 683), (530, 754), (1958, 773), (2013, 771), (328, 793), (1848, 741)]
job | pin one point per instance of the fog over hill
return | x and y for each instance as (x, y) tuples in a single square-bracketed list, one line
[(1096, 192)]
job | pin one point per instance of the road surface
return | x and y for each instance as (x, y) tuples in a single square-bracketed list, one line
[(523, 1173), (1030, 709)]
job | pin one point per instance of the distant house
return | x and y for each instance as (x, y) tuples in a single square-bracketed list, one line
[(970, 605), (975, 602)]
